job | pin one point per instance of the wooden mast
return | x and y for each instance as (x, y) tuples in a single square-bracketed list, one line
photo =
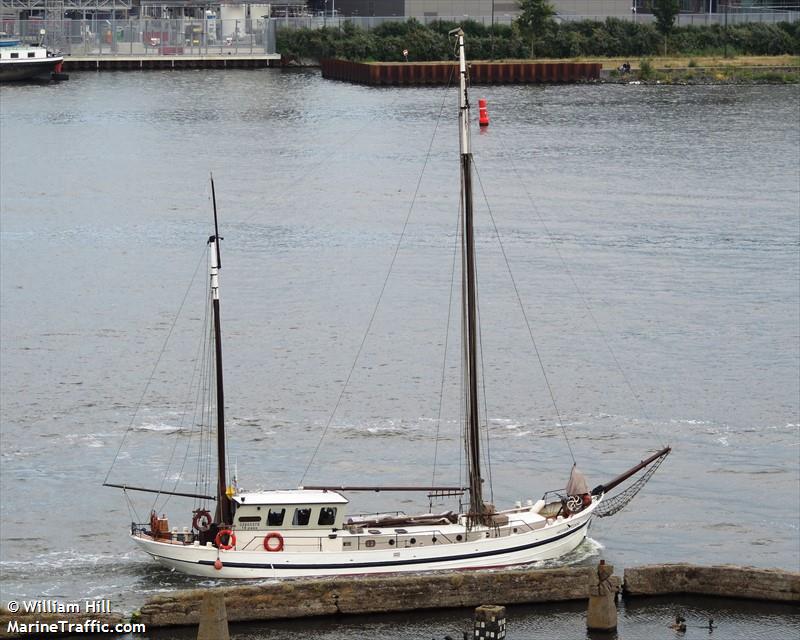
[(223, 511), (469, 298)]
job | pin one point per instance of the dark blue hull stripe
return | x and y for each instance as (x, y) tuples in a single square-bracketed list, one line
[(394, 563)]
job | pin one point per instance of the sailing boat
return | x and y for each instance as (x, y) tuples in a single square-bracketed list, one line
[(306, 532)]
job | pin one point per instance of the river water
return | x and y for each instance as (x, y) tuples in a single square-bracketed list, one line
[(653, 234)]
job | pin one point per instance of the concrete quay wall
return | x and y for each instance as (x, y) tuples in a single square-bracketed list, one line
[(722, 580), (384, 594), (355, 595), (185, 61)]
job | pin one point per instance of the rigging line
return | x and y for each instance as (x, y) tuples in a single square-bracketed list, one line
[(586, 304), (181, 424), (196, 372), (131, 506), (209, 407), (487, 454), (155, 367), (525, 316), (199, 413), (203, 411), (339, 148), (446, 342), (463, 454), (385, 282)]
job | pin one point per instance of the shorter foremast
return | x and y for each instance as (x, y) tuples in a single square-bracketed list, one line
[(223, 514)]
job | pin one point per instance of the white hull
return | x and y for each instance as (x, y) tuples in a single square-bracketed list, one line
[(551, 541), (26, 62)]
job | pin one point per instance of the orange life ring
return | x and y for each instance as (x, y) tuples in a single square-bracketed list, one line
[(231, 539), (274, 535)]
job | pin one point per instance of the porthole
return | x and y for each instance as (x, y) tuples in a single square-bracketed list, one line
[(459, 537), (413, 541), (514, 529), (391, 542), (369, 544), (433, 539)]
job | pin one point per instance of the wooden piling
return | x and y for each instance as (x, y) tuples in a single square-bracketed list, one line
[(213, 617), (602, 612), (490, 622)]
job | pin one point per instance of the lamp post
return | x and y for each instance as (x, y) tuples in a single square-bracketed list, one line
[(726, 28), (491, 38)]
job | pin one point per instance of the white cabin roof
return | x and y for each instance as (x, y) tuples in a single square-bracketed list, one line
[(292, 496)]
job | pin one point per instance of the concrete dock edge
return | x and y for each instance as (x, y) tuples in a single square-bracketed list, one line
[(395, 593), (727, 581), (367, 594)]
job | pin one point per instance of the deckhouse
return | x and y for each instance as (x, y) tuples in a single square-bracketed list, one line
[(295, 510)]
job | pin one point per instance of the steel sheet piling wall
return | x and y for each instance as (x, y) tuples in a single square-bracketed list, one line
[(426, 73)]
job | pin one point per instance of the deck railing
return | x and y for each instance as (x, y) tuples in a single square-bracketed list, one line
[(398, 540)]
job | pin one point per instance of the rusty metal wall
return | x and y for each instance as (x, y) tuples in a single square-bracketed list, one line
[(413, 74)]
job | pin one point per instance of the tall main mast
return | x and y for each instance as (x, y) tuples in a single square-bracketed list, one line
[(469, 298), (223, 511)]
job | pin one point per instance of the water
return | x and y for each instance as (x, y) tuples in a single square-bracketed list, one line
[(647, 619), (666, 216)]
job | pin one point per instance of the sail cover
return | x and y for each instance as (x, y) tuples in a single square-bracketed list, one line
[(577, 485)]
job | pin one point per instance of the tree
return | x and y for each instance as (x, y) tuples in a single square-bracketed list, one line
[(665, 12), (535, 17)]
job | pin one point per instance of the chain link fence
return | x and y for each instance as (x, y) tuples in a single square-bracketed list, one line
[(148, 36)]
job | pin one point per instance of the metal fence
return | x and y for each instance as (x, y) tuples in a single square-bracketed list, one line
[(148, 36), (197, 36), (701, 19)]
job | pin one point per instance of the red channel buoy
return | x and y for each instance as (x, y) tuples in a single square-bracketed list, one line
[(483, 113), (218, 564)]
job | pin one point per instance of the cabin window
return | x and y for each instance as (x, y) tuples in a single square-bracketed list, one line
[(31, 54), (275, 517), (249, 518), (301, 517), (327, 515), (15, 55), (369, 544)]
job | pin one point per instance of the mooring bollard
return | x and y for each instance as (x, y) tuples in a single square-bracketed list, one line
[(213, 617), (490, 622), (602, 614)]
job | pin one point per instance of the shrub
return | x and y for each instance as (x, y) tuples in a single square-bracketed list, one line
[(646, 71), (612, 37)]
